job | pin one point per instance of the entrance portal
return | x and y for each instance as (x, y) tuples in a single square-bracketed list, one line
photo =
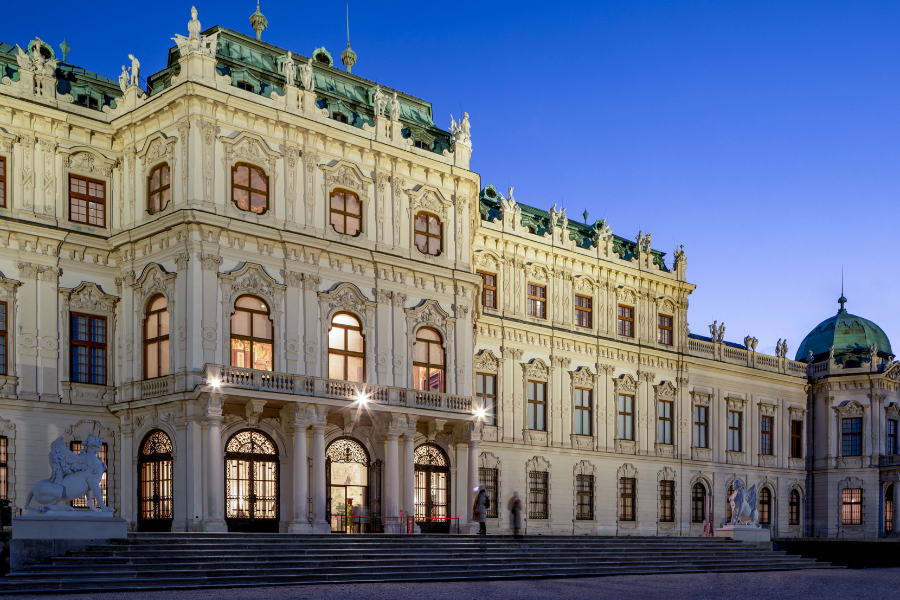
[(432, 489), (251, 482), (155, 483), (347, 467)]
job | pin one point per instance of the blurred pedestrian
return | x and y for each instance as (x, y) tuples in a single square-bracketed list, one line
[(479, 509), (515, 514)]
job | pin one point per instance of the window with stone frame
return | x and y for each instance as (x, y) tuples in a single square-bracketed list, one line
[(796, 439), (698, 503), (794, 508), (346, 349), (626, 417), (488, 478), (889, 509), (159, 190), (2, 182), (735, 431), (701, 426), (88, 349), (422, 145), (4, 339), (4, 467), (429, 370), (626, 321), (102, 454), (583, 402), (851, 506), (664, 421), (428, 234), (488, 289), (252, 338), (87, 201), (664, 330), (486, 392), (766, 431), (584, 497), (583, 311), (537, 405), (156, 338), (538, 495), (346, 213), (537, 301), (765, 506), (250, 188), (851, 436), (667, 501), (627, 497), (891, 436)]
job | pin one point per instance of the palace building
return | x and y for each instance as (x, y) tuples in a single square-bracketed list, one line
[(281, 297)]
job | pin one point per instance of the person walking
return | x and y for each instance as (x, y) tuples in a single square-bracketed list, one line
[(479, 509), (515, 514)]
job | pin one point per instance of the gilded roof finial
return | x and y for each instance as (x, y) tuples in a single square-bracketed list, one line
[(258, 21), (348, 56)]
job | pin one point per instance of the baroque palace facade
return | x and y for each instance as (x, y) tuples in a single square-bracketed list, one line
[(277, 292)]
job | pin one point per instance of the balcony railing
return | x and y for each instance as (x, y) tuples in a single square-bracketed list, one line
[(891, 460), (744, 357), (302, 385)]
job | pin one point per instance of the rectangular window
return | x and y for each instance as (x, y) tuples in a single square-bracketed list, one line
[(537, 405), (488, 478), (698, 503), (851, 437), (537, 301), (766, 424), (489, 289), (88, 349), (794, 508), (735, 429), (582, 411), (486, 390), (626, 417), (701, 423), (626, 498), (664, 422), (891, 436), (584, 497), (626, 321), (4, 326), (851, 506), (796, 439), (583, 311), (87, 201), (76, 447), (2, 182), (667, 501), (4, 467), (664, 335), (538, 491)]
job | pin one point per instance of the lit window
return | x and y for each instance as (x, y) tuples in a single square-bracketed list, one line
[(4, 467), (851, 506), (488, 289), (583, 311), (4, 327), (428, 234), (88, 349), (537, 405), (102, 454), (486, 391), (428, 361), (665, 330), (87, 201), (2, 182), (250, 188), (346, 349), (251, 335), (888, 509), (156, 339), (346, 213), (626, 417), (537, 301), (626, 321), (158, 190)]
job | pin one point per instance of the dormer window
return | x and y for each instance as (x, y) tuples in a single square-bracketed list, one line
[(243, 85), (337, 116), (87, 101), (422, 145), (323, 58)]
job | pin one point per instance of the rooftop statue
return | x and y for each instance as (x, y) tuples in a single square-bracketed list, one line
[(72, 476), (679, 254), (563, 218), (601, 230), (135, 70), (743, 505), (379, 101), (461, 132), (722, 332), (204, 44), (124, 78), (554, 216), (306, 75), (36, 63), (713, 331), (395, 108), (289, 70)]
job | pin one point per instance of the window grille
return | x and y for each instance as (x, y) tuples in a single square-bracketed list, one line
[(582, 411), (627, 495), (538, 491), (794, 508), (583, 311), (765, 434), (488, 289), (851, 506), (796, 439), (537, 405), (667, 501), (88, 349), (488, 478), (665, 330), (76, 448), (584, 494), (664, 422), (735, 430), (626, 417), (701, 421), (486, 391), (765, 506), (888, 509), (698, 503), (851, 437), (626, 321), (537, 301)]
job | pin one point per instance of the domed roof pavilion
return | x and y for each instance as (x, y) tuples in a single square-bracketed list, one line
[(850, 335)]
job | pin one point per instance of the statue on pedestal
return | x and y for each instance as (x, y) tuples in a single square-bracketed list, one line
[(135, 70), (72, 476), (124, 78), (289, 70), (378, 101), (306, 75), (461, 132), (204, 44), (395, 108), (743, 505)]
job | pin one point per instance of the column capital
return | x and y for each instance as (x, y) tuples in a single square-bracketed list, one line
[(296, 415), (468, 432), (391, 424), (212, 405)]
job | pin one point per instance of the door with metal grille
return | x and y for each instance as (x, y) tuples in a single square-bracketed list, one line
[(251, 483), (432, 489), (155, 483)]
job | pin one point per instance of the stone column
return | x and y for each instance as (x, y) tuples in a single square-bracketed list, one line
[(300, 524), (468, 435), (409, 474), (392, 481), (473, 472), (320, 523), (215, 468)]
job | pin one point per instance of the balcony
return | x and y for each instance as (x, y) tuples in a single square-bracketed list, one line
[(302, 385), (891, 460)]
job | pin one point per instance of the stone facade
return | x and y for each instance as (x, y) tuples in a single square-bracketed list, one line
[(615, 448)]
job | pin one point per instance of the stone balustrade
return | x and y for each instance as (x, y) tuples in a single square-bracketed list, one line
[(744, 357)]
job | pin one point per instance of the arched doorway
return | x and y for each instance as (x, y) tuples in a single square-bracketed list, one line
[(155, 483), (432, 489), (353, 481), (251, 482)]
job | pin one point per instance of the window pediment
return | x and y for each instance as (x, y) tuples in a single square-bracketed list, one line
[(626, 384), (251, 278), (583, 377), (665, 391), (485, 361), (86, 160), (430, 314), (157, 147), (252, 148), (346, 296), (428, 198), (850, 408), (89, 296), (536, 369), (346, 175), (155, 280)]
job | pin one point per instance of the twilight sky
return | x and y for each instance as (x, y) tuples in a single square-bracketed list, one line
[(762, 135)]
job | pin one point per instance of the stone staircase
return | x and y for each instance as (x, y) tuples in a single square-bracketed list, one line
[(163, 561)]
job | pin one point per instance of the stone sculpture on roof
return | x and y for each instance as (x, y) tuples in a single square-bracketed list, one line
[(554, 216), (461, 132), (204, 44), (306, 75), (395, 108), (72, 476), (289, 70), (378, 101), (602, 231), (124, 78), (36, 63), (135, 70)]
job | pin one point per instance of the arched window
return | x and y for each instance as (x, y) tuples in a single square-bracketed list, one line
[(428, 234), (156, 338), (428, 361), (794, 505), (250, 188), (346, 213), (765, 506), (251, 482), (155, 483), (251, 334), (889, 509), (158, 192), (346, 349), (698, 503)]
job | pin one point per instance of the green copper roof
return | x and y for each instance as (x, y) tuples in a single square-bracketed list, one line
[(849, 334)]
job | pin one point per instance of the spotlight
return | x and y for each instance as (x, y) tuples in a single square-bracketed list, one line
[(362, 398), (215, 383), (480, 413)]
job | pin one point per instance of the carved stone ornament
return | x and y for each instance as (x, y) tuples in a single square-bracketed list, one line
[(701, 398), (429, 199), (346, 296), (766, 409), (486, 362), (345, 174), (665, 391), (850, 408), (537, 273), (486, 260), (87, 161), (536, 369), (154, 280), (88, 296), (892, 410), (430, 314), (251, 148), (252, 278), (158, 148), (626, 384), (583, 377)]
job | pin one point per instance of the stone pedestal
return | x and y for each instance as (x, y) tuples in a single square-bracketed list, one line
[(37, 537), (308, 103), (746, 533)]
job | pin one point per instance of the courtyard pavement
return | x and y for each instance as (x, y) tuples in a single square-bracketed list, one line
[(843, 584)]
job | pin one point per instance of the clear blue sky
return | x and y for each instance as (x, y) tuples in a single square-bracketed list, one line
[(761, 135)]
